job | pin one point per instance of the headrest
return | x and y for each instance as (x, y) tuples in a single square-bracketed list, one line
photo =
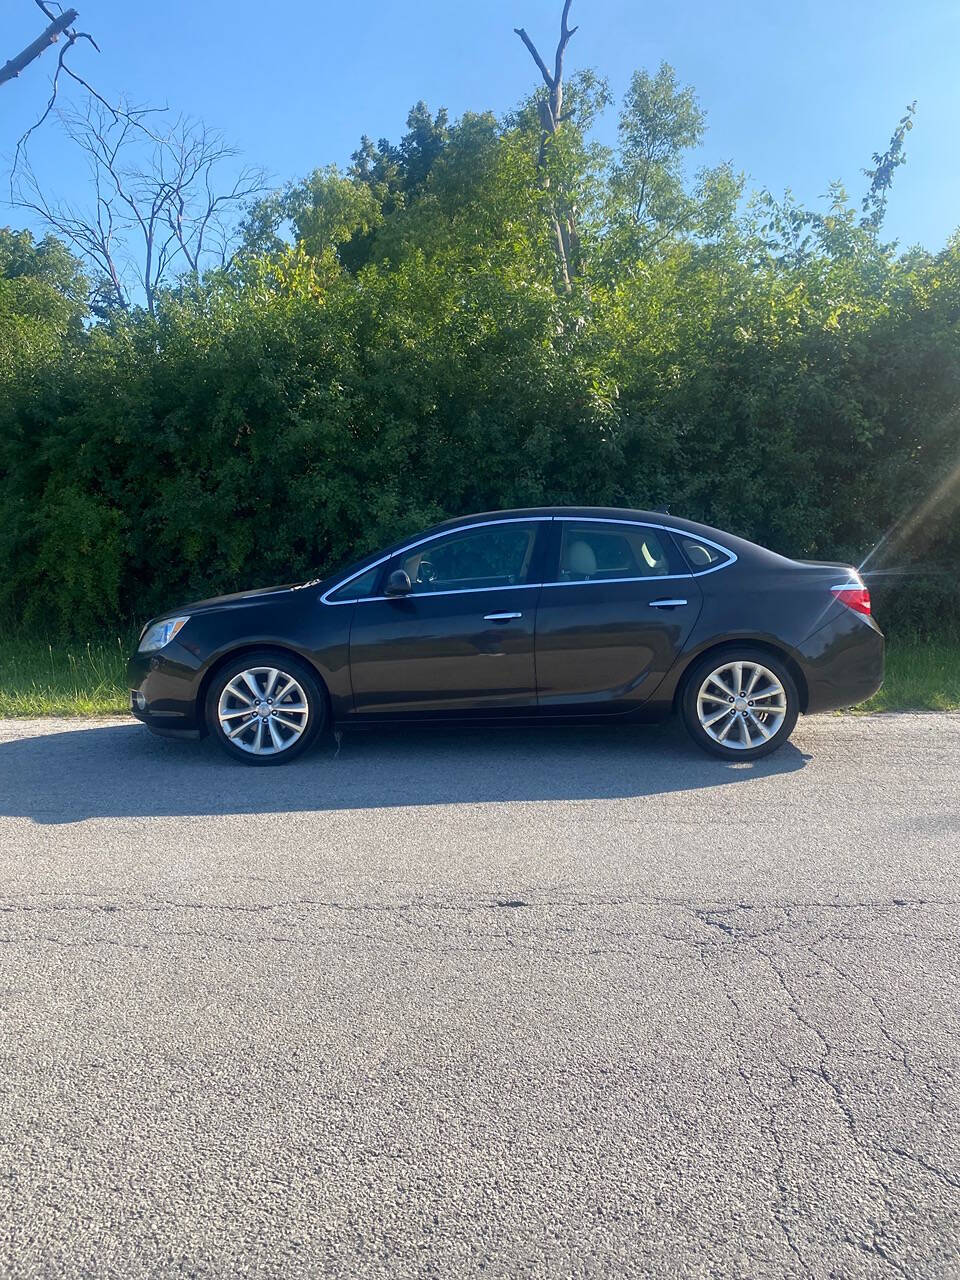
[(581, 559)]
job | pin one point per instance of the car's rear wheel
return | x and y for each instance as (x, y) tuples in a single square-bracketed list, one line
[(740, 703), (265, 708)]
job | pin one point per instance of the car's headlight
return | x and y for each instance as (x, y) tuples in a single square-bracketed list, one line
[(160, 633)]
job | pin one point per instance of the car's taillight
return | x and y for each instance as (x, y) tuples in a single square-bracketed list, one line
[(854, 596)]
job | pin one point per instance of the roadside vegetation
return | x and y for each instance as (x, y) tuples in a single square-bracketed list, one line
[(42, 679), (489, 312), (63, 679), (921, 675)]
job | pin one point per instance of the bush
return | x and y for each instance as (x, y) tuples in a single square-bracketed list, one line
[(275, 421)]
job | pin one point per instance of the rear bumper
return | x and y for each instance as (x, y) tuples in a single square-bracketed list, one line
[(842, 662)]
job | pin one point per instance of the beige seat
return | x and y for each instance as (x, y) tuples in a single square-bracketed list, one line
[(581, 560)]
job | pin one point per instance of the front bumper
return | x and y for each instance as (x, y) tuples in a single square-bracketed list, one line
[(164, 690)]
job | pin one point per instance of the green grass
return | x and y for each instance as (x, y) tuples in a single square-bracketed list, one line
[(39, 679), (922, 675)]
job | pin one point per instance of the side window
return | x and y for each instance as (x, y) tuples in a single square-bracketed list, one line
[(700, 555), (358, 588), (497, 556), (605, 552)]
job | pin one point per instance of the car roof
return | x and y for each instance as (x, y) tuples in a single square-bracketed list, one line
[(660, 519), (588, 513)]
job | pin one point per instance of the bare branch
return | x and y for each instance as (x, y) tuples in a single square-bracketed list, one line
[(552, 116), (59, 22), (52, 34), (159, 204), (565, 33), (24, 137), (547, 78), (553, 82)]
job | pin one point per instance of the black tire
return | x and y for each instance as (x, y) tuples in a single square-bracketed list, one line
[(751, 721), (285, 712)]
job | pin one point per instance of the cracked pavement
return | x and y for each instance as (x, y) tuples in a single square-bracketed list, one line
[(524, 1003)]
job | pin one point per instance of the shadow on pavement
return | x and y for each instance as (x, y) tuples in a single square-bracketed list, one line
[(123, 771)]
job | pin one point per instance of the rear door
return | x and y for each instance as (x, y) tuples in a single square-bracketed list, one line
[(616, 609), (461, 643)]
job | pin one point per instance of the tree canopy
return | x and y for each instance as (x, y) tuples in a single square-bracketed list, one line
[(487, 313)]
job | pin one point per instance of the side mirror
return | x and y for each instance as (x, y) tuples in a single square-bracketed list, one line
[(398, 584)]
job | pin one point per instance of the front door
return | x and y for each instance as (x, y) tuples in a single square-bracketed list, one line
[(462, 642), (614, 619)]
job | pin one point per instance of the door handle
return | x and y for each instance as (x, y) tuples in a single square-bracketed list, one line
[(666, 604), (500, 617)]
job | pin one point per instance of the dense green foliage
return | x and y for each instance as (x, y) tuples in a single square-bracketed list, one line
[(395, 344)]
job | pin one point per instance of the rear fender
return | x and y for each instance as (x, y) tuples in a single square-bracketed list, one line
[(672, 689)]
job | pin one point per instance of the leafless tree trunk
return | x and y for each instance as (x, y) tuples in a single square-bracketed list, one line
[(160, 207), (551, 118)]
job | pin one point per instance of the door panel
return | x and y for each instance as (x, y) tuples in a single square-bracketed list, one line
[(602, 646), (606, 632), (461, 641), (442, 654)]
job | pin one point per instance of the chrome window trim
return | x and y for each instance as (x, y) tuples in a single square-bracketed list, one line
[(525, 586), (459, 591), (605, 582), (481, 524)]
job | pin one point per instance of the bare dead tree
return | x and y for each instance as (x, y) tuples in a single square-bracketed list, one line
[(551, 113), (160, 204)]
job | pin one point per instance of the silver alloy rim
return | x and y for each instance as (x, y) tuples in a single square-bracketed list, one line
[(741, 705), (263, 710)]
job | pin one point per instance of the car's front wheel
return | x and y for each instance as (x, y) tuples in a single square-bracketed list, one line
[(265, 708), (740, 704)]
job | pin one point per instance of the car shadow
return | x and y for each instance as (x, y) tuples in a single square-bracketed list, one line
[(123, 771)]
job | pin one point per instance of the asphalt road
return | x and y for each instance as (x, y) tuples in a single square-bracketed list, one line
[(536, 1004)]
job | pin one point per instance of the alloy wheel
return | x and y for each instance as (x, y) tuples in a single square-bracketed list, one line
[(263, 710), (741, 705)]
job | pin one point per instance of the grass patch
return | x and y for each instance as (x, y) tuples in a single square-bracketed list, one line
[(922, 675), (38, 679)]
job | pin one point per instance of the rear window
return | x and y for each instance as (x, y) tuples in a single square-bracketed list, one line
[(701, 555)]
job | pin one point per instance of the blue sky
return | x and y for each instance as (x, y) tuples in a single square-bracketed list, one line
[(795, 94)]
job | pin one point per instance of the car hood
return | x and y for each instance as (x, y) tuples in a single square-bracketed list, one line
[(226, 602)]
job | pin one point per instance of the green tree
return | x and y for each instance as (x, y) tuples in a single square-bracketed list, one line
[(650, 201), (488, 312), (43, 299)]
